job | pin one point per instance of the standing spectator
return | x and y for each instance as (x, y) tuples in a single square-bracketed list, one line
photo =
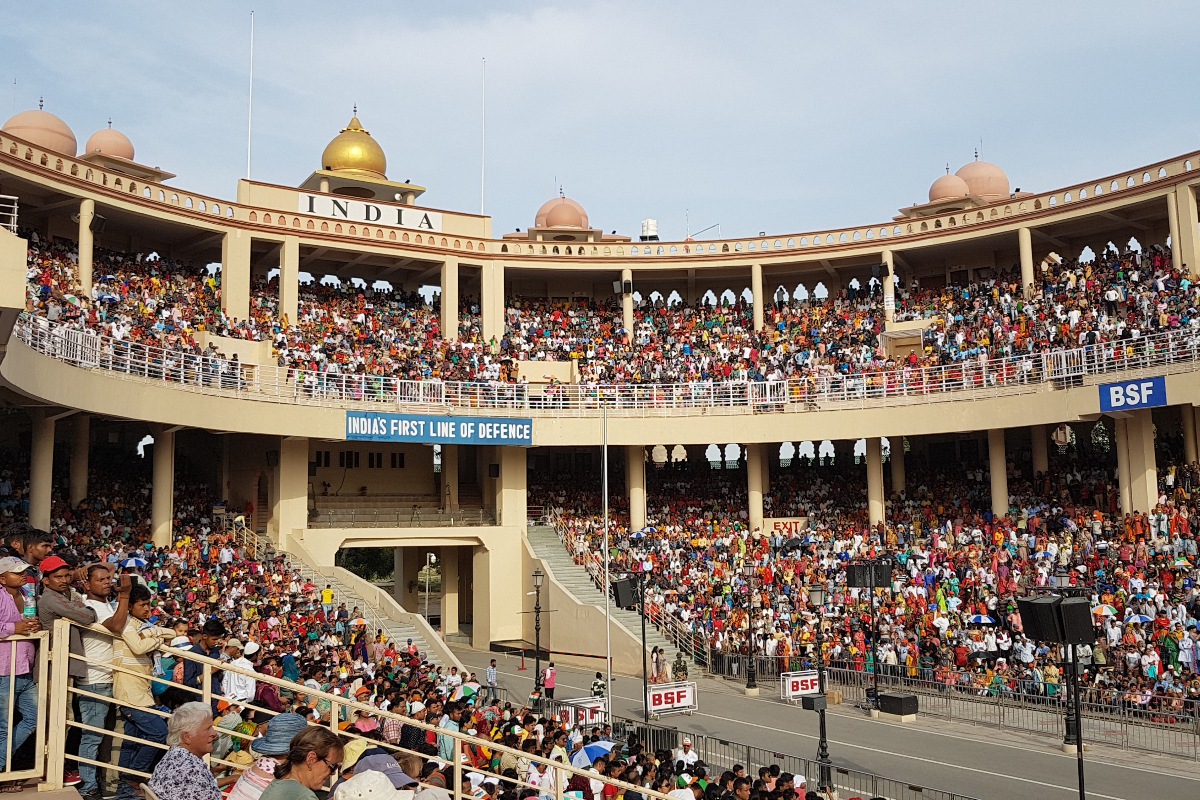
[(238, 687), (599, 687), (131, 690), (182, 773), (548, 680), (207, 644), (20, 664), (98, 680), (327, 600), (490, 678)]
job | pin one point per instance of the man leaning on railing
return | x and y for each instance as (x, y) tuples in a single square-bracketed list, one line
[(98, 647), (16, 659)]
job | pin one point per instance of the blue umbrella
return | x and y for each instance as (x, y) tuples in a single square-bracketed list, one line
[(134, 562), (590, 752), (1138, 618), (1043, 554), (982, 619)]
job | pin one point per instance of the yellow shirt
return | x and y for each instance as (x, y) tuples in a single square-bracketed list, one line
[(132, 652)]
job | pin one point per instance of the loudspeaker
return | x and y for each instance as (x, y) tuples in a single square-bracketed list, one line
[(272, 459), (1039, 618), (493, 470), (1077, 627), (625, 593), (616, 287), (899, 704), (627, 287), (97, 224), (881, 576), (858, 576)]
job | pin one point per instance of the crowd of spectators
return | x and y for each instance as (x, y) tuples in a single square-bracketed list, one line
[(950, 613), (350, 328)]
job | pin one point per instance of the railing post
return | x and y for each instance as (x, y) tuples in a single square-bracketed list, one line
[(59, 701), (457, 756)]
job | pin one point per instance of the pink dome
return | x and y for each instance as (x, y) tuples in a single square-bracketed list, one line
[(948, 187), (561, 212), (985, 180), (42, 129), (110, 143)]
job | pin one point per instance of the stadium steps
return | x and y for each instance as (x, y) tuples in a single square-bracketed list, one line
[(576, 580), (397, 631)]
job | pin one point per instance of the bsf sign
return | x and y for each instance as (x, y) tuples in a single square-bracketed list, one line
[(1126, 395), (669, 698), (794, 685)]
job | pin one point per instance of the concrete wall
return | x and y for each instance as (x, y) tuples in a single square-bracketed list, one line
[(248, 352), (415, 477)]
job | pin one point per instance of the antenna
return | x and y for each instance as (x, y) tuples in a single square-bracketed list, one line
[(14, 111), (483, 138), (250, 100)]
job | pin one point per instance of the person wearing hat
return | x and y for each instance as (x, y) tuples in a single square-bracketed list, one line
[(685, 753), (368, 785), (269, 749), (16, 662), (238, 686)]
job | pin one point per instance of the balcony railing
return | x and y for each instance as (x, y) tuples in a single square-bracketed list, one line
[(973, 379), (8, 212), (401, 518)]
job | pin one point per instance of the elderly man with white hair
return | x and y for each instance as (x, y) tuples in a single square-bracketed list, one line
[(182, 773)]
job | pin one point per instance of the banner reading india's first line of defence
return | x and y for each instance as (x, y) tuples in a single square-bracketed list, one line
[(382, 426)]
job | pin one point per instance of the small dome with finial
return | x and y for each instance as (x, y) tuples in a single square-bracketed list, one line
[(354, 151), (947, 187), (109, 142), (43, 129)]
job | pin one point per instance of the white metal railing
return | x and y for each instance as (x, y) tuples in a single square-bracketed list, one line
[(961, 380), (8, 212)]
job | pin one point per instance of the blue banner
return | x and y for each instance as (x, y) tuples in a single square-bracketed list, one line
[(381, 426), (1127, 395)]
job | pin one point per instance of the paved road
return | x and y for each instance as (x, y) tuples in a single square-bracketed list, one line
[(974, 761)]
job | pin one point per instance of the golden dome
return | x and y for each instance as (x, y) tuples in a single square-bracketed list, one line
[(42, 129), (109, 142), (354, 151), (561, 212)]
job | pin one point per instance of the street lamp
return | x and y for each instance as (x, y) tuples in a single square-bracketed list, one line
[(816, 598), (748, 572), (538, 577)]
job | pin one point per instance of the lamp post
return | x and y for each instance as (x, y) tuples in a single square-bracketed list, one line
[(816, 597), (538, 577), (430, 560), (748, 571), (1062, 584)]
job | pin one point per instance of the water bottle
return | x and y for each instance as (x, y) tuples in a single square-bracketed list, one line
[(30, 609)]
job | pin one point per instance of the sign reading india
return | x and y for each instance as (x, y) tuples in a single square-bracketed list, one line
[(784, 526), (382, 426), (366, 212), (1126, 395)]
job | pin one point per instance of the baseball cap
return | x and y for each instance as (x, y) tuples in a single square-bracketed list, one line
[(51, 563), (252, 647), (234, 643), (417, 707), (12, 564)]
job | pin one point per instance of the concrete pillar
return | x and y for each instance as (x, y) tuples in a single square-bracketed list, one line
[(79, 458), (1124, 481), (448, 321), (162, 490), (627, 303), (491, 301), (449, 567), (1189, 228), (41, 469), (897, 459), (691, 287), (1188, 414), (1037, 439), (1025, 243), (399, 588), (767, 451), (500, 583), (1143, 471), (235, 274), (511, 505), (756, 289), (87, 212), (293, 488), (635, 484), (289, 278), (450, 477), (874, 480), (1196, 410), (1173, 221), (997, 465), (754, 484)]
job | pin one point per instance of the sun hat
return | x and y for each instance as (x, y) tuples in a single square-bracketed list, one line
[(369, 785), (280, 731)]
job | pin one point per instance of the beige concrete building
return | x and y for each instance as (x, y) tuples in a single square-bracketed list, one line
[(284, 451)]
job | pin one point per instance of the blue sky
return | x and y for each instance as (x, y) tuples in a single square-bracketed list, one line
[(769, 116)]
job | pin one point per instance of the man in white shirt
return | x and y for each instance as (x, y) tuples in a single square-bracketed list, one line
[(685, 753), (98, 648), (239, 688)]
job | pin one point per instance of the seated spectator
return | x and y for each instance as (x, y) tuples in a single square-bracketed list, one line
[(313, 757), (271, 748), (182, 773)]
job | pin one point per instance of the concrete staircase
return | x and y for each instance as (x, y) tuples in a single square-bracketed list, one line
[(398, 631), (575, 579)]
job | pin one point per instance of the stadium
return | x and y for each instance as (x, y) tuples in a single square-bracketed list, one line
[(991, 392)]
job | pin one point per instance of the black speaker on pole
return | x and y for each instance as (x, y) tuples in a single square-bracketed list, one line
[(858, 576), (1039, 617), (1077, 627), (97, 224), (881, 575), (625, 593)]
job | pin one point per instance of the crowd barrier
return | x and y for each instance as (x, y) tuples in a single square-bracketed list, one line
[(966, 379), (722, 754)]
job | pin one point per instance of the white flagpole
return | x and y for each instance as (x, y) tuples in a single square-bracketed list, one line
[(483, 137), (250, 109)]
